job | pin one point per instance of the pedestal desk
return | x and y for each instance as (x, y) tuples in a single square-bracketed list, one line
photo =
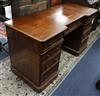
[(35, 41)]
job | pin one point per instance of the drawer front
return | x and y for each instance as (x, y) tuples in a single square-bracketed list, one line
[(85, 27), (49, 74), (88, 20), (45, 66), (45, 45), (50, 54), (76, 23)]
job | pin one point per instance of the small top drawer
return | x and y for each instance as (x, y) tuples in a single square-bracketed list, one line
[(88, 20), (84, 40), (74, 24), (85, 27), (45, 46)]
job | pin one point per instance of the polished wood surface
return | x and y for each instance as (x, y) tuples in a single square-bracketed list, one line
[(35, 41), (35, 62), (48, 23)]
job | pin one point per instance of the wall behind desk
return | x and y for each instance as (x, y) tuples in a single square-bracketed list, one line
[(26, 7)]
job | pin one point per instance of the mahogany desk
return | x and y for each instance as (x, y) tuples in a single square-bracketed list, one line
[(35, 41)]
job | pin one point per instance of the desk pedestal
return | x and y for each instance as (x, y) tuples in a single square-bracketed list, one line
[(33, 61), (76, 41)]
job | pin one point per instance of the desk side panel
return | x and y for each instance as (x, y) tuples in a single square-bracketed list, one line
[(24, 55)]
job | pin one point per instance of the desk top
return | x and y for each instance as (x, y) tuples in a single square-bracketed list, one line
[(46, 24)]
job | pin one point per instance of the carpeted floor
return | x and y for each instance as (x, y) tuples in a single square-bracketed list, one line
[(81, 81)]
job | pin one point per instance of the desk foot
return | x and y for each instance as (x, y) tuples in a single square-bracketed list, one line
[(72, 51)]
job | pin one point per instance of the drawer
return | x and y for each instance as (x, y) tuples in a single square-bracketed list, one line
[(49, 74), (52, 41), (50, 54), (85, 27), (48, 64), (76, 23), (88, 20), (45, 47)]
